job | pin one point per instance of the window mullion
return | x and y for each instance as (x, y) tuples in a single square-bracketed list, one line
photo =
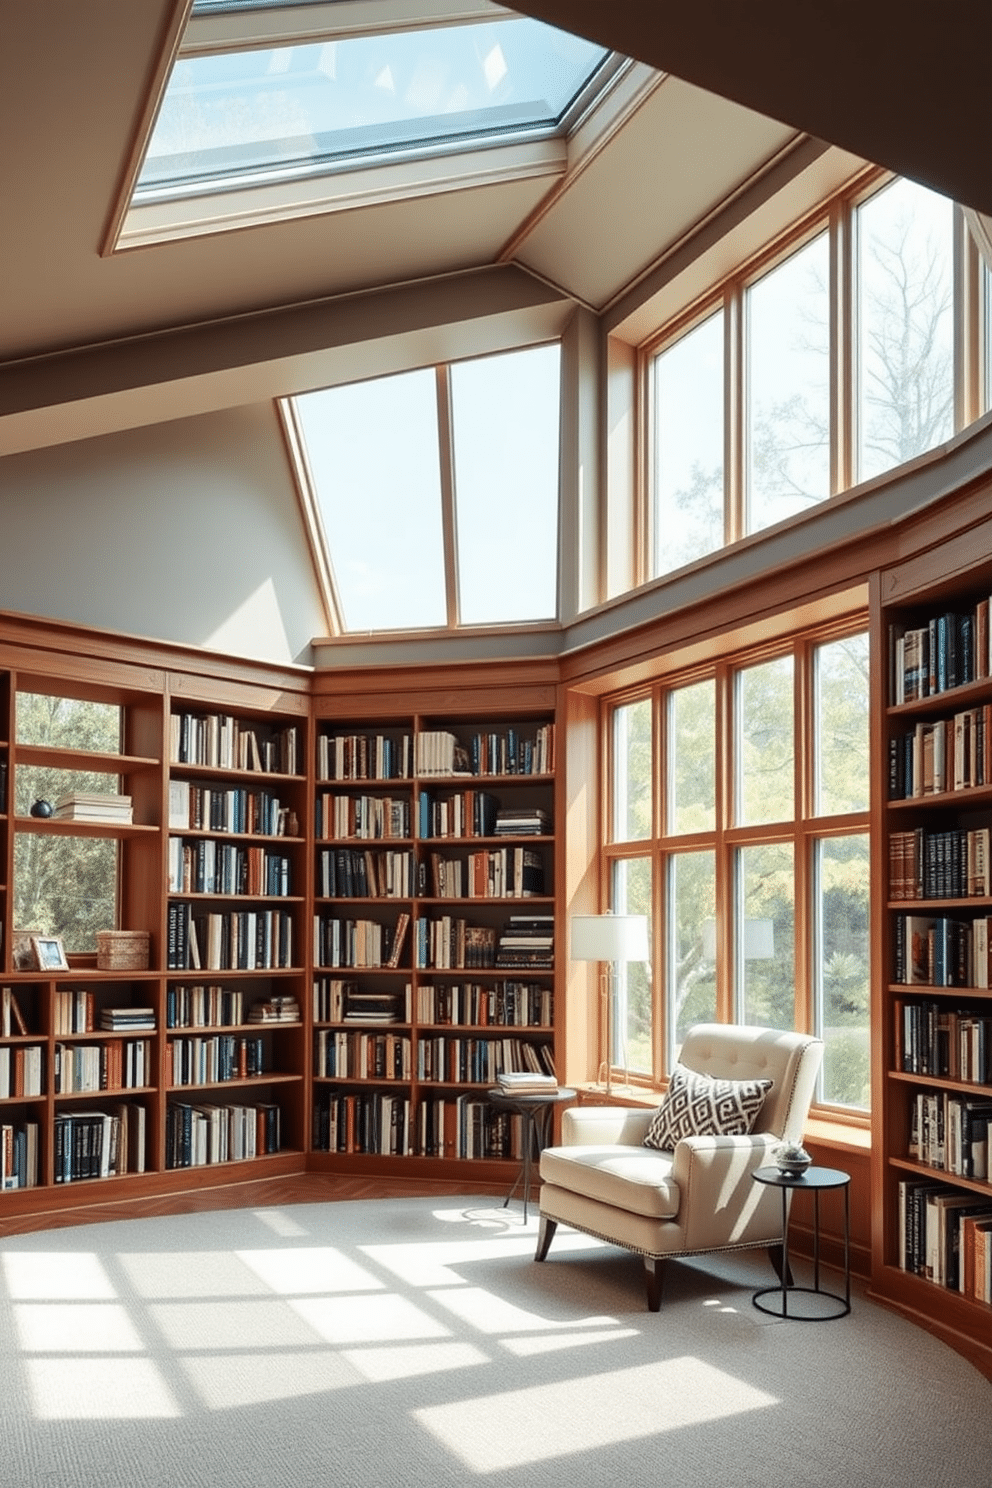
[(449, 519), (735, 394), (843, 343)]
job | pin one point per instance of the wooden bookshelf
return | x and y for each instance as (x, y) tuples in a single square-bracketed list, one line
[(436, 837), (933, 1004)]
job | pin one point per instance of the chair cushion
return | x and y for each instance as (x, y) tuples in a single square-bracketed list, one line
[(629, 1178), (699, 1106)]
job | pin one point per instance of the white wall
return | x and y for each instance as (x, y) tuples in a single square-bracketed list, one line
[(187, 531)]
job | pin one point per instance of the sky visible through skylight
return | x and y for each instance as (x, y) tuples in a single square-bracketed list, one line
[(301, 107)]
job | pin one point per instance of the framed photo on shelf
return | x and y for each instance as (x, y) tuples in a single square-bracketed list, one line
[(22, 949), (49, 953)]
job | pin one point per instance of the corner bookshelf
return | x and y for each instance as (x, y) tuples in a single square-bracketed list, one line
[(434, 920), (932, 1244)]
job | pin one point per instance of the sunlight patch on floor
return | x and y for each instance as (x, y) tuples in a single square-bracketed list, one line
[(56, 1276), (434, 1263), (98, 1390), (232, 1381), (254, 1323), (380, 1365), (489, 1313), (378, 1318), (317, 1269), (553, 1342), (75, 1328), (496, 1433), (186, 1274)]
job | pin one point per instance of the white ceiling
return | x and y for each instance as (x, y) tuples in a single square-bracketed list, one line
[(75, 85)]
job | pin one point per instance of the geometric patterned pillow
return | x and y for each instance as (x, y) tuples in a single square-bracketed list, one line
[(698, 1106)]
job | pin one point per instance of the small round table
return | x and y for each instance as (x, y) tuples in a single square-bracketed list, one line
[(814, 1181), (536, 1108)]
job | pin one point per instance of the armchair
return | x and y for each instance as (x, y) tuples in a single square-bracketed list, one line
[(699, 1196)]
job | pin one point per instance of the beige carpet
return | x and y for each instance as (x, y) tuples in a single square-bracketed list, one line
[(414, 1341)]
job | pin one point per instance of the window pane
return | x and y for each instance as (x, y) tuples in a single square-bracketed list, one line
[(841, 742), (280, 111), (505, 412), (842, 963), (65, 886), (788, 366), (68, 723), (765, 746), (906, 371), (692, 946), (765, 935), (373, 451), (688, 447), (632, 1018), (632, 771), (692, 765)]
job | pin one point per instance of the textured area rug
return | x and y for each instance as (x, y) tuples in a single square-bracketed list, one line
[(415, 1341)]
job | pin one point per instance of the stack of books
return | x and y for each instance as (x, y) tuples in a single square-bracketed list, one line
[(522, 821), (93, 806), (525, 1082), (123, 1019), (527, 941), (276, 1010)]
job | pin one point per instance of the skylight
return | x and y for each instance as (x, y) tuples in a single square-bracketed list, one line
[(257, 114)]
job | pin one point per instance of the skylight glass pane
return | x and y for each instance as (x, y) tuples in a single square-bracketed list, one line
[(373, 452), (287, 109), (505, 416)]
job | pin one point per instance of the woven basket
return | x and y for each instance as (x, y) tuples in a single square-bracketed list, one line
[(122, 950)]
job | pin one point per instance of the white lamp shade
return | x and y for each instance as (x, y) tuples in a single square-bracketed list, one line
[(609, 938)]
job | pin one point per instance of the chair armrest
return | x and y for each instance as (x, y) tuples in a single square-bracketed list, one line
[(720, 1202), (601, 1126)]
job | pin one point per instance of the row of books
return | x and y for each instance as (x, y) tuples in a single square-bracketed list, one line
[(18, 1154), (204, 865), (506, 1003), (470, 813), (99, 1144), (490, 873), (214, 1058), (115, 1064), (365, 873), (947, 1042), (479, 1060), (364, 756), (946, 754), (233, 940), (937, 951), (946, 1236), (464, 1126), (358, 942), (375, 818), (951, 1132), (74, 1011), (949, 864), (12, 1020), (338, 1000), (206, 808), (509, 753), (201, 1134), (341, 1054), (219, 741), (203, 1005), (948, 650), (22, 1070)]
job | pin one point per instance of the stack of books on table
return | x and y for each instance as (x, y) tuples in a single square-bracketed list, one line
[(276, 1010), (93, 806), (525, 1082), (123, 1019)]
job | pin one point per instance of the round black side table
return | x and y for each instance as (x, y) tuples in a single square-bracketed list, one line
[(814, 1181), (536, 1108)]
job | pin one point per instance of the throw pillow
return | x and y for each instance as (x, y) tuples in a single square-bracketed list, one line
[(699, 1106)]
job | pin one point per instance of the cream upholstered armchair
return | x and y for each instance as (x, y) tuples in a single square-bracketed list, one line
[(694, 1193)]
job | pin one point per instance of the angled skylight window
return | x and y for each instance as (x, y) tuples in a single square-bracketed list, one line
[(290, 110), (434, 493)]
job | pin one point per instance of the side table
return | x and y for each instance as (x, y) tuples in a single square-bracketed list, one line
[(814, 1181), (536, 1107)]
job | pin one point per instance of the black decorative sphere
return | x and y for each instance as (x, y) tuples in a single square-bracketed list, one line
[(42, 808)]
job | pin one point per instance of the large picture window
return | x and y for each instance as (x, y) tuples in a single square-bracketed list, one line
[(755, 873)]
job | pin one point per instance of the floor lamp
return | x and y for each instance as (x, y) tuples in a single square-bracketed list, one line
[(609, 939)]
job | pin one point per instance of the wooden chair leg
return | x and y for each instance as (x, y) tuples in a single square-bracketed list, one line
[(545, 1235), (776, 1254), (654, 1276)]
